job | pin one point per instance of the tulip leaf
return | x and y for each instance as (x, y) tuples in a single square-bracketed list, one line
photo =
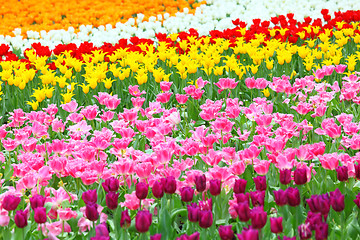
[(165, 221)]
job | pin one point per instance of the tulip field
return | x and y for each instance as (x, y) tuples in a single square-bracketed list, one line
[(181, 120)]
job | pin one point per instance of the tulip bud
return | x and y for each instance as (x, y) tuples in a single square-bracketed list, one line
[(205, 218), (300, 176), (21, 218), (90, 196), (143, 221), (37, 201), (40, 215), (280, 197), (342, 173), (112, 200), (319, 203), (215, 187), (226, 232), (293, 196), (337, 200), (240, 186), (158, 189), (258, 217), (170, 185), (187, 194), (276, 225), (141, 190), (111, 184), (260, 183), (313, 219), (285, 176), (101, 230), (243, 211), (125, 220), (91, 212), (200, 183), (193, 212)]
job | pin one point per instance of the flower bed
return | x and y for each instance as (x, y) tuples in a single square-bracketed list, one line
[(250, 132)]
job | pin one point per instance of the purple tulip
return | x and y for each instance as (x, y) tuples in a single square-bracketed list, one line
[(240, 186), (187, 194), (205, 218), (37, 201), (40, 215), (226, 232), (156, 237), (280, 197), (243, 211), (276, 225), (193, 212), (321, 231), (258, 217), (91, 212), (357, 200), (158, 189), (143, 221), (304, 231), (141, 190), (10, 202), (125, 220), (285, 176), (357, 171), (215, 187), (21, 218), (293, 196), (260, 183), (170, 185), (242, 197), (111, 184), (257, 198), (342, 173), (200, 183), (250, 234), (194, 236), (300, 176), (112, 200), (90, 196), (337, 200)]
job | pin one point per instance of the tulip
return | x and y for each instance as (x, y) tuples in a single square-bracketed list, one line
[(205, 218), (357, 171), (187, 194), (111, 184), (300, 176), (194, 236), (40, 215), (125, 220), (91, 212), (143, 221), (337, 200), (313, 219), (37, 201), (293, 196), (156, 237), (242, 197), (276, 225), (141, 190), (112, 200), (342, 173), (10, 202), (321, 231), (21, 218), (285, 176), (319, 203), (257, 198), (258, 217), (170, 185), (101, 230), (260, 183), (200, 183), (280, 197), (304, 231), (243, 211), (226, 232), (90, 196), (215, 187), (240, 186), (250, 234), (158, 189), (357, 200), (193, 212)]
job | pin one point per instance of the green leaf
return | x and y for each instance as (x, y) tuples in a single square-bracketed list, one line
[(165, 223)]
